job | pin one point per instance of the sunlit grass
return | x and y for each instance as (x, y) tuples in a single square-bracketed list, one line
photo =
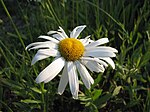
[(125, 23)]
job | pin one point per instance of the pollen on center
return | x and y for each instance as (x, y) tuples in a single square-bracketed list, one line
[(71, 49)]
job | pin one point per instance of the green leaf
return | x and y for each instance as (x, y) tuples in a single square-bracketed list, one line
[(102, 100), (116, 90), (11, 83), (36, 90), (145, 59), (97, 80), (96, 94), (31, 101)]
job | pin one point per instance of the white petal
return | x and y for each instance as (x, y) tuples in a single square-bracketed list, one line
[(86, 40), (38, 57), (44, 53), (51, 70), (98, 42), (58, 37), (93, 66), (63, 81), (63, 32), (95, 59), (49, 45), (51, 32), (99, 53), (76, 31), (36, 44), (49, 38), (73, 79), (102, 48), (110, 61), (86, 78), (61, 35)]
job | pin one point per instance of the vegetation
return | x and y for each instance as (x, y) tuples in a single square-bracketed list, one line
[(126, 24)]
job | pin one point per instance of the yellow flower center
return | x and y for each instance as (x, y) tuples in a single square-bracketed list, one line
[(71, 49)]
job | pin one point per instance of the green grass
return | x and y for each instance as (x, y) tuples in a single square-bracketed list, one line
[(125, 23)]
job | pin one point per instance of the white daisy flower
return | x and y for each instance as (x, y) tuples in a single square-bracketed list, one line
[(72, 56)]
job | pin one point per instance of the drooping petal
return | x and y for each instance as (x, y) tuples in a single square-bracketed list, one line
[(63, 32), (37, 43), (99, 53), (98, 42), (49, 45), (95, 59), (73, 79), (44, 53), (63, 81), (86, 78), (49, 38), (93, 66), (110, 61), (76, 31), (51, 70)]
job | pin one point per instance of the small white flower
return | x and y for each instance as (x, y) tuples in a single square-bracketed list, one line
[(72, 56)]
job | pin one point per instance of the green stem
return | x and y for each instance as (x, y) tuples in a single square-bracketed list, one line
[(7, 59), (118, 23), (18, 34), (26, 21), (51, 10), (16, 30), (43, 97), (8, 51)]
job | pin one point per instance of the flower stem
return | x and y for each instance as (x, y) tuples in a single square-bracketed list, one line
[(43, 97)]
